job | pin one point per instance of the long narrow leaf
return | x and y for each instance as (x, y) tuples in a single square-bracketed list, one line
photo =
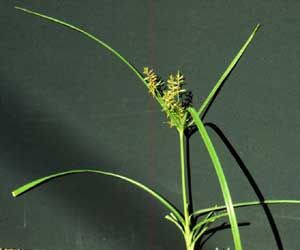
[(164, 201), (204, 229), (244, 204), (207, 221), (227, 72), (105, 45), (202, 226), (178, 225), (221, 177), (99, 41)]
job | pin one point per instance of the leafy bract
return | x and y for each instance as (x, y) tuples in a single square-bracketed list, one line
[(159, 197), (89, 35), (227, 72), (243, 204), (221, 177)]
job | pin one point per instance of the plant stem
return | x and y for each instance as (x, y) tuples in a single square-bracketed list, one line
[(183, 177), (187, 229)]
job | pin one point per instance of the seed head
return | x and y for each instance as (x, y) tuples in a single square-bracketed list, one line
[(153, 80), (175, 99)]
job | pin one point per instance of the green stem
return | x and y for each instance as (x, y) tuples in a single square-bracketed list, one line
[(187, 229), (183, 177)]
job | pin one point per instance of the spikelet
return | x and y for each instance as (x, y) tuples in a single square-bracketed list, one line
[(175, 83), (153, 81), (172, 96), (175, 98)]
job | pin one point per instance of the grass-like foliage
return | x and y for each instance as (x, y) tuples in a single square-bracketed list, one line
[(176, 102)]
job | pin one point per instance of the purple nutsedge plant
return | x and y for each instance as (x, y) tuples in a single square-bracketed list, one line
[(176, 101)]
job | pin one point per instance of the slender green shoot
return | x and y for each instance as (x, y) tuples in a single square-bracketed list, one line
[(207, 220), (244, 204), (99, 41), (175, 221), (202, 226), (187, 229), (221, 177), (159, 197), (106, 46), (227, 71), (183, 178), (176, 101)]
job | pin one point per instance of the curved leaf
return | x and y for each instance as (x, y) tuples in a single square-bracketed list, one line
[(206, 221), (177, 224), (245, 204), (105, 45), (164, 201), (198, 229), (221, 177)]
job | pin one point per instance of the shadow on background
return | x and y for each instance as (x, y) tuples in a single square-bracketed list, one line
[(31, 147), (193, 129), (211, 232), (251, 181), (246, 173)]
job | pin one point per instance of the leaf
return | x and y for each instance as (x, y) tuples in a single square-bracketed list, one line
[(227, 71), (207, 220), (105, 45), (89, 35), (160, 198), (221, 177), (204, 225), (177, 224), (245, 204)]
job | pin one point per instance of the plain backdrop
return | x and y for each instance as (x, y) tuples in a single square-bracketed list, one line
[(67, 103)]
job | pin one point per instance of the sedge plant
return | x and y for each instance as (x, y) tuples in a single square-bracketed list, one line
[(176, 102)]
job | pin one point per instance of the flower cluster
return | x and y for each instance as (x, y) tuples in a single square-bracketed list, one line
[(174, 98)]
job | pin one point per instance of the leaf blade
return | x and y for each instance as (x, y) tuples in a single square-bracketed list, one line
[(221, 177), (159, 197), (227, 71), (198, 229), (207, 220), (102, 43), (245, 204), (99, 41)]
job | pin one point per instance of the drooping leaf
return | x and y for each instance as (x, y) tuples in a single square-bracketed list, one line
[(89, 35), (106, 46), (159, 197), (177, 224)]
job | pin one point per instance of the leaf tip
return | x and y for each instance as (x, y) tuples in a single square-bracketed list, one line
[(14, 193), (258, 25)]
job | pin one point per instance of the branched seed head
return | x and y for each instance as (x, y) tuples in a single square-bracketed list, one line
[(154, 82), (174, 98)]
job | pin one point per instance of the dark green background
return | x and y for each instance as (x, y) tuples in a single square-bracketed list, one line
[(67, 103)]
